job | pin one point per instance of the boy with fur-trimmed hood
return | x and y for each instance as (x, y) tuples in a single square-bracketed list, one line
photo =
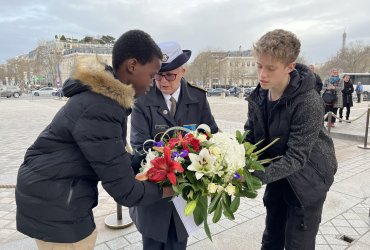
[(84, 144)]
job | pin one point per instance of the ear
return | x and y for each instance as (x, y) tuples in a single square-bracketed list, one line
[(291, 67), (131, 65)]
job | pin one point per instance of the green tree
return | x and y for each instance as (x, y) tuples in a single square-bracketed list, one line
[(63, 38)]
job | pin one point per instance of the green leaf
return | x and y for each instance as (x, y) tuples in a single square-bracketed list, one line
[(206, 228), (235, 204), (198, 216), (190, 206), (176, 189), (250, 193), (227, 211), (214, 202), (256, 182), (257, 166), (239, 137), (248, 179), (218, 213)]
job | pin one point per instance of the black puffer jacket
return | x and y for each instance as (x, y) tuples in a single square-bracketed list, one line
[(307, 152), (84, 143)]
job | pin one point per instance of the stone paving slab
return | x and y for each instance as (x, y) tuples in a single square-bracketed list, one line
[(345, 210)]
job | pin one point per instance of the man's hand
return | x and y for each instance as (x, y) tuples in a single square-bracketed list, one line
[(167, 192)]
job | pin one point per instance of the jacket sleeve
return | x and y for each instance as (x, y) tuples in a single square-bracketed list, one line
[(98, 133), (207, 117), (307, 119), (140, 132)]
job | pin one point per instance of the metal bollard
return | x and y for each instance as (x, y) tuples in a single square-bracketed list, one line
[(115, 221), (366, 130)]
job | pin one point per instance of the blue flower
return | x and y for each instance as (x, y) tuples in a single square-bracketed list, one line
[(236, 175), (158, 144)]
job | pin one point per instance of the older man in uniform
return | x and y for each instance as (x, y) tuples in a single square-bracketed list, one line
[(172, 101)]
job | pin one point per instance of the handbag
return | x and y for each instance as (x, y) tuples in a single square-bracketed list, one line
[(329, 96)]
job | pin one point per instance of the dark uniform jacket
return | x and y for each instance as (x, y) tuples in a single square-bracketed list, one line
[(149, 117), (308, 159), (85, 143)]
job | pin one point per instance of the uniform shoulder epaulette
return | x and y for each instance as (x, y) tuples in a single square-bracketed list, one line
[(196, 86)]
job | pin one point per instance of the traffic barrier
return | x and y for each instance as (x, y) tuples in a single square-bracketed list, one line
[(330, 114)]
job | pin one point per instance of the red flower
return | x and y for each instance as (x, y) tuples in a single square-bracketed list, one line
[(184, 142), (164, 167), (194, 142)]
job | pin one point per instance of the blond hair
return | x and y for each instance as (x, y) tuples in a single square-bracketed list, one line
[(281, 45)]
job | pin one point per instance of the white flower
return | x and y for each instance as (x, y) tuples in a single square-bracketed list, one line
[(201, 137), (202, 164), (230, 154), (149, 157), (220, 188), (230, 189), (212, 188)]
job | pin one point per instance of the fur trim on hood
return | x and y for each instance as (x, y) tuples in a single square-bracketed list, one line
[(92, 73)]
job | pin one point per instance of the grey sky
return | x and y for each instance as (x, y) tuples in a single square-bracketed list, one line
[(195, 24)]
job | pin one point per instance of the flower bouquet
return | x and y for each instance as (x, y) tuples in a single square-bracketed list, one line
[(209, 171)]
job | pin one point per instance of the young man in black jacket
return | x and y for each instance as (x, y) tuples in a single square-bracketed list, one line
[(285, 105), (84, 144)]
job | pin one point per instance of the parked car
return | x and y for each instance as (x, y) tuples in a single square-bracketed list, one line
[(9, 91), (235, 91), (248, 91), (218, 91), (44, 91), (58, 93)]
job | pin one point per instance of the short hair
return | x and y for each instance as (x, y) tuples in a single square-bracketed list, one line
[(281, 45), (134, 44)]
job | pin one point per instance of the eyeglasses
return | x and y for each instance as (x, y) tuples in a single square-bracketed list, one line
[(169, 77)]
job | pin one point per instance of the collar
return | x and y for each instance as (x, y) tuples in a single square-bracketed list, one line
[(154, 95)]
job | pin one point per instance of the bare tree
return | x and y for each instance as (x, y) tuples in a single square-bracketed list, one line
[(355, 58), (48, 58), (17, 70), (204, 69)]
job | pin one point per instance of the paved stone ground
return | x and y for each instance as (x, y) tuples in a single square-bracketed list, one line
[(346, 210)]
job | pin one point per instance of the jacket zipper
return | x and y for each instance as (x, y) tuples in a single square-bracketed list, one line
[(71, 189)]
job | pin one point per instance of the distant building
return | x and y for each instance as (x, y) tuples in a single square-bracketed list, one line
[(232, 68)]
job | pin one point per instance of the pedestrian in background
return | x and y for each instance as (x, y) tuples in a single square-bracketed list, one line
[(285, 106), (335, 84), (84, 144), (318, 83), (359, 90), (347, 97)]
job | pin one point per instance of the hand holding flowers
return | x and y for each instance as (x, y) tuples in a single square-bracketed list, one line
[(210, 171)]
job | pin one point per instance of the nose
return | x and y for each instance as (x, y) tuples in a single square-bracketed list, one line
[(261, 74)]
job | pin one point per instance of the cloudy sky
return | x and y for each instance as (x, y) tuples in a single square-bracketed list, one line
[(195, 24)]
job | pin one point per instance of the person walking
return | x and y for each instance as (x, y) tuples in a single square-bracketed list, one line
[(84, 144), (172, 101), (286, 106), (347, 97), (359, 90)]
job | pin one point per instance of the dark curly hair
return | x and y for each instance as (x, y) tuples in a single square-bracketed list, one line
[(134, 44)]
